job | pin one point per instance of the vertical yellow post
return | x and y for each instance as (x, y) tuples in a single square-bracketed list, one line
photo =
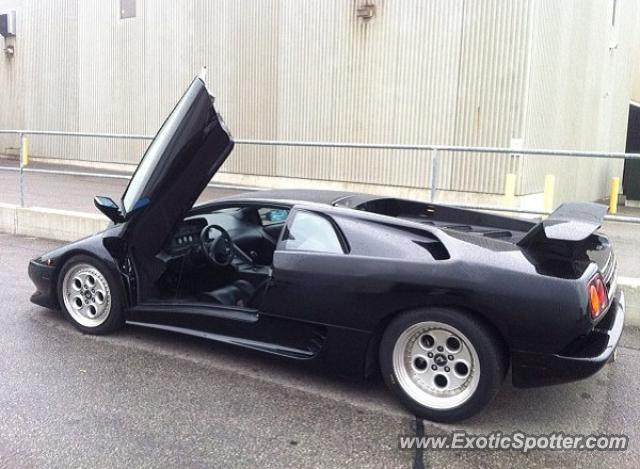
[(613, 195), (510, 190), (549, 186), (25, 151)]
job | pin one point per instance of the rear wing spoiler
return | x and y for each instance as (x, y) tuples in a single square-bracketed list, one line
[(573, 222)]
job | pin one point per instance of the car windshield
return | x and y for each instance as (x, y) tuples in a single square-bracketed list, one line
[(154, 153)]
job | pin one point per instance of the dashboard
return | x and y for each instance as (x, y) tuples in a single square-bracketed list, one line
[(256, 242), (246, 232), (186, 236)]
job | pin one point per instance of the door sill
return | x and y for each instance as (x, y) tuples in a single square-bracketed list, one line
[(234, 313)]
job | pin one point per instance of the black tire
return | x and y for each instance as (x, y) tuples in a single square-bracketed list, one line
[(491, 353), (114, 318)]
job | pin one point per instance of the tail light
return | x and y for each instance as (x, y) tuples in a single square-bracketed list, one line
[(597, 294)]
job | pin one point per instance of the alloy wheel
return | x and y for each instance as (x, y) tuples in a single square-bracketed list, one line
[(86, 295), (436, 365)]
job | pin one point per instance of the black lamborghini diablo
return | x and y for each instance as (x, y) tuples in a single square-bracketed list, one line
[(442, 301)]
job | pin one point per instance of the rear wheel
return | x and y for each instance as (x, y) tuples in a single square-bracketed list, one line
[(443, 364), (89, 296)]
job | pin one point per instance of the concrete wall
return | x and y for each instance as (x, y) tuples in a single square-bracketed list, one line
[(421, 71)]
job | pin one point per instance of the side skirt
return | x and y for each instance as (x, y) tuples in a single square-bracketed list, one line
[(274, 349)]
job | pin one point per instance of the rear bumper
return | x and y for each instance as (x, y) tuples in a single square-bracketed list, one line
[(587, 358), (42, 276)]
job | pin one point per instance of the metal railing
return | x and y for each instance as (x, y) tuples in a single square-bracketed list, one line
[(434, 149)]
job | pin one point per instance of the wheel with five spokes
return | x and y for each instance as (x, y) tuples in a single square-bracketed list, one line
[(90, 296), (444, 364)]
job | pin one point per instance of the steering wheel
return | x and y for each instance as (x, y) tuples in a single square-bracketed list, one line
[(218, 249)]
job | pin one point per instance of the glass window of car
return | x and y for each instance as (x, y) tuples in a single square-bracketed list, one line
[(272, 216), (312, 232)]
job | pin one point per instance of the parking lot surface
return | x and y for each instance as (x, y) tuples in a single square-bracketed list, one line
[(142, 398)]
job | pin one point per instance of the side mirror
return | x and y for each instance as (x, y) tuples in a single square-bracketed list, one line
[(108, 207), (277, 215)]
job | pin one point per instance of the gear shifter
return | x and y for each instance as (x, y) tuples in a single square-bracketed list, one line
[(254, 257)]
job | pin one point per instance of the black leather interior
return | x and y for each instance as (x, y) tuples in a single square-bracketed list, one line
[(237, 294)]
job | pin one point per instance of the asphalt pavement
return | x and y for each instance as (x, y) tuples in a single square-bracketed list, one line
[(142, 398)]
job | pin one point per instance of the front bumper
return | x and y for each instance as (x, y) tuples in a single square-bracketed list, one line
[(43, 278), (585, 359)]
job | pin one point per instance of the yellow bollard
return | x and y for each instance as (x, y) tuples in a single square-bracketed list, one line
[(613, 195), (547, 198), (510, 190), (25, 151)]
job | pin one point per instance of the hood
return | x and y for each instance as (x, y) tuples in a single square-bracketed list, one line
[(187, 151)]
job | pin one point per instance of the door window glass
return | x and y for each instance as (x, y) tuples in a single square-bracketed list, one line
[(312, 232)]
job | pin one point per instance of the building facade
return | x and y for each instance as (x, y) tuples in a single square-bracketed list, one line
[(504, 73)]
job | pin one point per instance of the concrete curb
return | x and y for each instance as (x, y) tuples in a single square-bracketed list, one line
[(631, 288), (65, 225)]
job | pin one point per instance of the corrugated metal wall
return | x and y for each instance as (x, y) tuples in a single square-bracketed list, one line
[(11, 88), (490, 91), (421, 71), (583, 61)]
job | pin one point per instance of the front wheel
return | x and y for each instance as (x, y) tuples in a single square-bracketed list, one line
[(444, 364), (90, 296)]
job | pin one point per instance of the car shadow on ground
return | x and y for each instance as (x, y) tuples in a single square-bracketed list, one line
[(572, 408), (303, 375)]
